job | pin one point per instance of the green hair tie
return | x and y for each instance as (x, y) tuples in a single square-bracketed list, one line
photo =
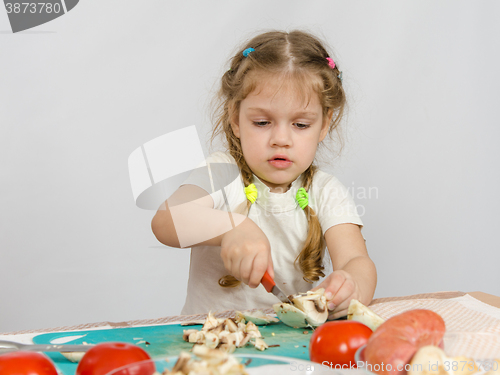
[(302, 198), (251, 193)]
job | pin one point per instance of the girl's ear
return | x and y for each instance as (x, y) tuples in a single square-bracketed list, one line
[(326, 125)]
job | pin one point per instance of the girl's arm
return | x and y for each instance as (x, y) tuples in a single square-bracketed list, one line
[(188, 219), (354, 274)]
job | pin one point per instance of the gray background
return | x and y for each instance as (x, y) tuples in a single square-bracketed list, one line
[(79, 94)]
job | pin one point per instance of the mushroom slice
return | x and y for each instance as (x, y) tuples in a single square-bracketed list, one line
[(209, 362), (211, 340), (182, 363), (252, 330), (213, 356), (223, 337), (361, 313), (308, 309), (245, 339), (239, 317), (230, 325), (218, 329), (465, 370), (257, 317), (197, 337), (260, 344), (431, 360), (211, 322), (492, 367), (235, 338), (227, 348), (73, 356), (290, 315), (187, 332)]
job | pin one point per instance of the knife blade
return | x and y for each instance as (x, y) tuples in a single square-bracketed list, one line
[(10, 346), (271, 287)]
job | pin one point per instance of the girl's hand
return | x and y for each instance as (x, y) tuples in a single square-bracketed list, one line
[(340, 288), (246, 253)]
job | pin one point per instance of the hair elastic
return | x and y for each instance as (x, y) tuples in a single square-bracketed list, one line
[(251, 193), (331, 63), (248, 51), (302, 198)]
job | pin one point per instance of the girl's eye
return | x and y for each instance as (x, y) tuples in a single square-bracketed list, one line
[(261, 123), (301, 126)]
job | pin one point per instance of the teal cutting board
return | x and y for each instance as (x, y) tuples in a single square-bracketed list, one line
[(166, 340)]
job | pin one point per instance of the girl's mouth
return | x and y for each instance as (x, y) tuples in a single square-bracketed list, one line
[(280, 162)]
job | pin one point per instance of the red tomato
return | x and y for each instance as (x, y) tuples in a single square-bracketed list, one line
[(26, 363), (106, 357), (335, 343)]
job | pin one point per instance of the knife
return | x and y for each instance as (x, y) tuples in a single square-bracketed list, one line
[(10, 346), (271, 287)]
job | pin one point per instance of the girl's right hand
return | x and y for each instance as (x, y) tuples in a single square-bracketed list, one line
[(246, 253)]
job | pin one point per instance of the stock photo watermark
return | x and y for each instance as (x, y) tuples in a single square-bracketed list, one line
[(431, 366), (24, 15)]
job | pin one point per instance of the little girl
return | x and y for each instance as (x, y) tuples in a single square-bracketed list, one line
[(280, 98)]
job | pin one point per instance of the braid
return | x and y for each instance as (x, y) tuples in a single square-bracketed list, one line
[(310, 258)]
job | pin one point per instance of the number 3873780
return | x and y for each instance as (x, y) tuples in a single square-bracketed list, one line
[(33, 8)]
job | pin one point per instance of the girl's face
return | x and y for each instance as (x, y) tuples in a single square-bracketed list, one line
[(279, 130)]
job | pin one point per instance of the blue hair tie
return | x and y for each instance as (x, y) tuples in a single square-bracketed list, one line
[(248, 51)]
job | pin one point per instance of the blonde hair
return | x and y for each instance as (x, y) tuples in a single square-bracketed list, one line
[(300, 56)]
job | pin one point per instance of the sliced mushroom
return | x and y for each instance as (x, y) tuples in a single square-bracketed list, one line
[(361, 313), (431, 360), (211, 340), (73, 356), (222, 333), (212, 356), (245, 339), (308, 309), (210, 362), (260, 344), (230, 325), (290, 315), (197, 337), (182, 363), (257, 317), (493, 367), (187, 332), (235, 338), (227, 348), (218, 329), (211, 322), (223, 337), (252, 330)]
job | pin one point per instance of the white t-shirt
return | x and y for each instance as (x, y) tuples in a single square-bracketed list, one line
[(283, 222)]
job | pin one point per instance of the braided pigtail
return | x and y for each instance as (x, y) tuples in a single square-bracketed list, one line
[(310, 259)]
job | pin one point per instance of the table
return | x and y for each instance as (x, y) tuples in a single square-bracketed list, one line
[(472, 320), (490, 299)]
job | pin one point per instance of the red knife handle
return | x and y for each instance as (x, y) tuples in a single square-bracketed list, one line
[(268, 282)]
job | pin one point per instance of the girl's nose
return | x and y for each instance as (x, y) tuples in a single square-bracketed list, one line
[(281, 135)]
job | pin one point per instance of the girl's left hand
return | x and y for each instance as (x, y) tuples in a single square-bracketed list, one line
[(340, 289)]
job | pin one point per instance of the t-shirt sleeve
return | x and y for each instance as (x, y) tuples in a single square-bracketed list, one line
[(219, 175), (334, 204)]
